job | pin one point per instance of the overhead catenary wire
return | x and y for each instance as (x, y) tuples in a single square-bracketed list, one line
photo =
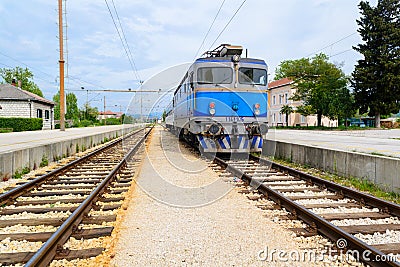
[(338, 41), (74, 78), (123, 43), (227, 24), (209, 29), (20, 62), (126, 42), (342, 52), (26, 65)]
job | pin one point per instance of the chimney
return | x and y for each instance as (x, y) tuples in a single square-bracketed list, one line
[(13, 83), (19, 83)]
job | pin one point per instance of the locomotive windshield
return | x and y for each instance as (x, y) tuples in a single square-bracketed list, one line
[(252, 76), (214, 75)]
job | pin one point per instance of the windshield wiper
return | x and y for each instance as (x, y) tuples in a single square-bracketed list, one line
[(219, 83)]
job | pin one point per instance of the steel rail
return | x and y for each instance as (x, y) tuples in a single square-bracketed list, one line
[(322, 226), (12, 194), (362, 198), (46, 253)]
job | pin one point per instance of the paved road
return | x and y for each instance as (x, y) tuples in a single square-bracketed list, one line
[(20, 140), (385, 142)]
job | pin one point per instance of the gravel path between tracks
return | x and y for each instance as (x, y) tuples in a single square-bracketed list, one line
[(230, 231)]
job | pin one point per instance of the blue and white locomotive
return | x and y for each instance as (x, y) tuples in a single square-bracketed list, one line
[(221, 103)]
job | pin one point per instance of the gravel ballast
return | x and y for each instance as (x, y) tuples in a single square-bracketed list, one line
[(224, 230)]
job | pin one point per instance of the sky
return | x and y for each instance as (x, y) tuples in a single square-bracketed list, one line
[(163, 38)]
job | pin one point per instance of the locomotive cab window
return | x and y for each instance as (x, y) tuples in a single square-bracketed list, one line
[(252, 76), (214, 75)]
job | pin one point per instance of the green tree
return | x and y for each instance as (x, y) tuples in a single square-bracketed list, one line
[(72, 112), (316, 81), (23, 75), (89, 113), (376, 77), (343, 105), (287, 110)]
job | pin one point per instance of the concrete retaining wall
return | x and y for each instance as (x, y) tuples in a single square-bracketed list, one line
[(13, 161), (383, 171)]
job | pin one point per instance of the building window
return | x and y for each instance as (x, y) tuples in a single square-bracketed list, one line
[(280, 99), (47, 114), (39, 113), (286, 98), (303, 119), (280, 117), (274, 119), (273, 100)]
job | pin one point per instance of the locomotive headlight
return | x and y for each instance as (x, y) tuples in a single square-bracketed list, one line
[(212, 108), (235, 58), (257, 109)]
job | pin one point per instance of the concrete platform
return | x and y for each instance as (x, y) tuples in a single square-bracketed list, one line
[(384, 142), (27, 149), (21, 140), (371, 154)]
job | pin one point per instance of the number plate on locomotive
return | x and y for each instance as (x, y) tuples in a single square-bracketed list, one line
[(234, 118)]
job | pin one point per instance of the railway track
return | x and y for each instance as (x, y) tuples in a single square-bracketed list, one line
[(46, 218), (356, 222)]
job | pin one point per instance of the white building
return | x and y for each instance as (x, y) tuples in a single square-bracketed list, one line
[(109, 114), (15, 102), (280, 93)]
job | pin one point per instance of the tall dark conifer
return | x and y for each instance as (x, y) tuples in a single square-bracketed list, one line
[(376, 78)]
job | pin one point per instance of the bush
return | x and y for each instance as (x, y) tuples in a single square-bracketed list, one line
[(85, 123), (22, 124), (113, 121)]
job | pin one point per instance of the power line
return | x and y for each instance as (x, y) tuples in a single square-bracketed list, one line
[(341, 52), (227, 24), (5, 65), (344, 38), (37, 77), (26, 65), (122, 41), (126, 42), (209, 29), (74, 78)]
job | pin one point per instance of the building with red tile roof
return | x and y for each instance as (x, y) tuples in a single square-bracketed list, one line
[(280, 94)]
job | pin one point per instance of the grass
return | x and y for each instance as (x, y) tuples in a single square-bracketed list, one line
[(353, 182), (6, 130), (44, 162), (324, 128), (19, 174), (378, 154)]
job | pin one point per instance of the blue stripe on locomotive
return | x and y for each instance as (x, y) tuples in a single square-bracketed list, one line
[(225, 100)]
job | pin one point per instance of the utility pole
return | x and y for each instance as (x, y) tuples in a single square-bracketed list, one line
[(141, 101), (104, 111), (61, 62)]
